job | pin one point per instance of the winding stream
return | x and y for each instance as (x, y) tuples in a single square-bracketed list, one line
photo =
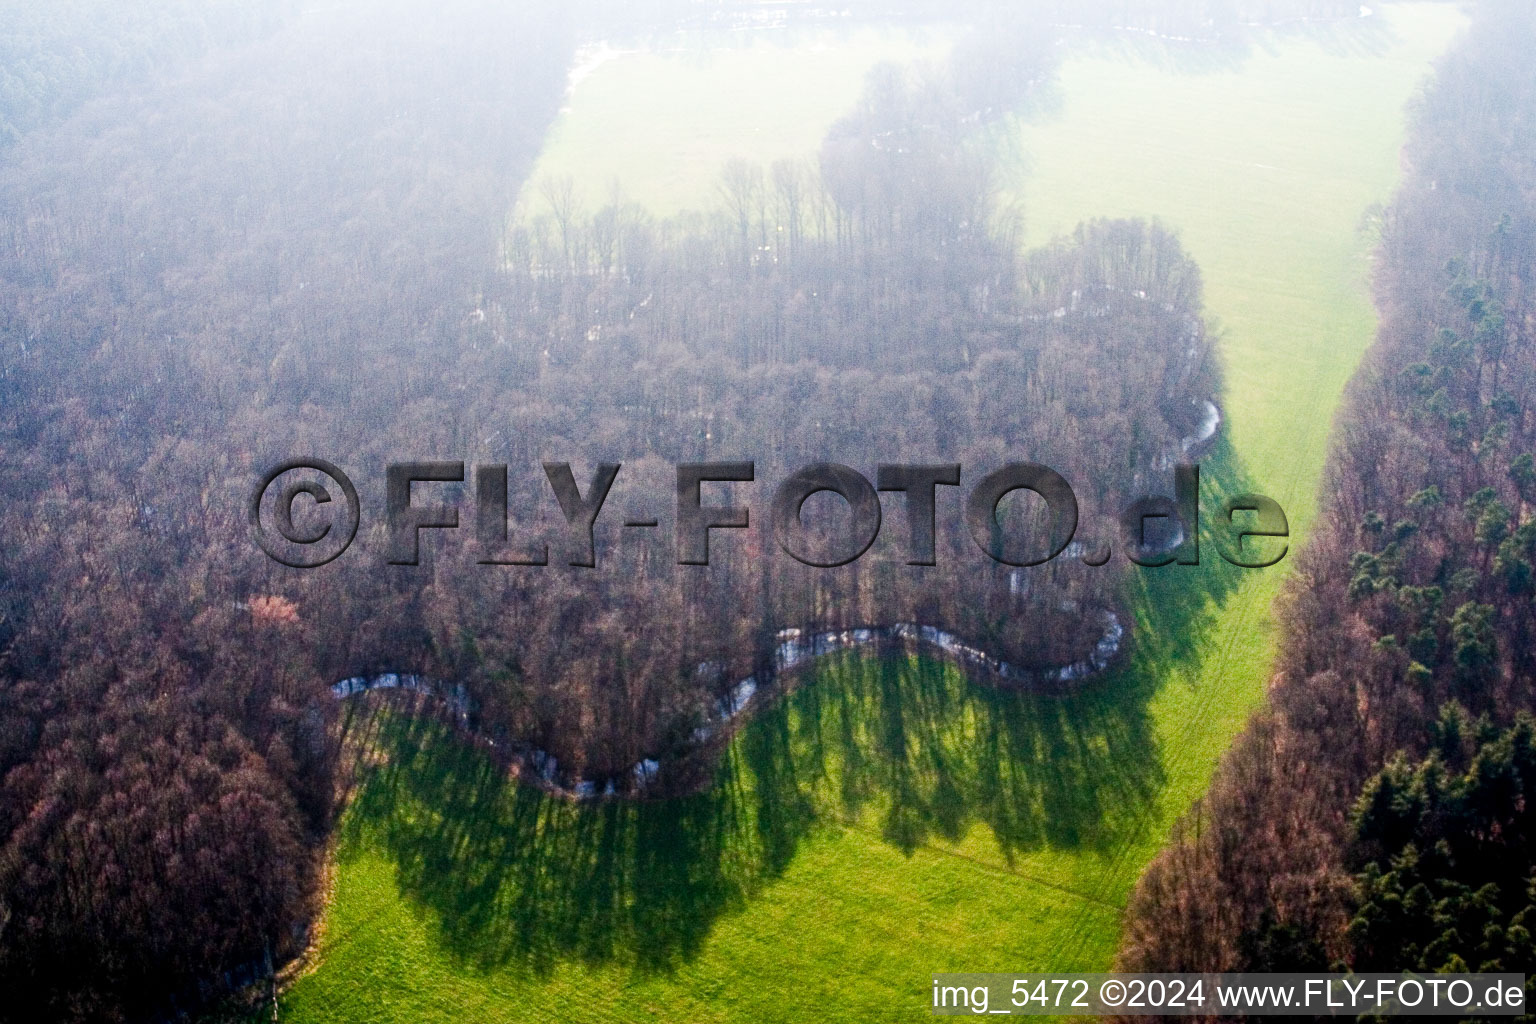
[(796, 650)]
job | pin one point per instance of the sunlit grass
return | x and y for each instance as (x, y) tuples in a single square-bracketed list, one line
[(884, 823), (1267, 168), (660, 123)]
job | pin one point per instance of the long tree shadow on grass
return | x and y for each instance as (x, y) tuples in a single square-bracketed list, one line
[(512, 877)]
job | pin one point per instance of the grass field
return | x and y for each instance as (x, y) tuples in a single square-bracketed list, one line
[(888, 820), (661, 123)]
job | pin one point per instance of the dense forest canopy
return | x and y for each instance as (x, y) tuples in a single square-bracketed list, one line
[(164, 740), (1445, 855), (56, 56)]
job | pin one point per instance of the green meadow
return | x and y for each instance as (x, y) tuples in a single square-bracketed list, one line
[(659, 122), (887, 819)]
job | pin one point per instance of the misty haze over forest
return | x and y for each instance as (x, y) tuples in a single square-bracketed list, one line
[(674, 232)]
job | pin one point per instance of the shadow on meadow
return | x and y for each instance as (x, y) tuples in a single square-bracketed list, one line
[(903, 746)]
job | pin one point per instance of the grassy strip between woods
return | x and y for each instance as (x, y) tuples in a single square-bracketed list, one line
[(888, 820)]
